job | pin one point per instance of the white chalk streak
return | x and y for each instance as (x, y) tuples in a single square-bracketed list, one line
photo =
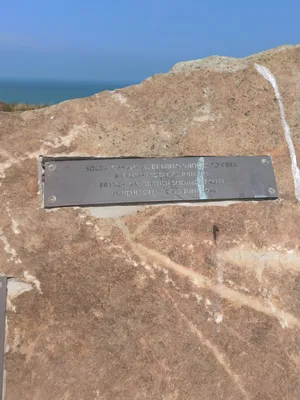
[(266, 73), (32, 280), (16, 287), (9, 249)]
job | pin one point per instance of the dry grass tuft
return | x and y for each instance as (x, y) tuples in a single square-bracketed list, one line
[(6, 107)]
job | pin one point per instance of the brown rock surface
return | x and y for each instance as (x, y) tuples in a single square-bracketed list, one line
[(141, 302)]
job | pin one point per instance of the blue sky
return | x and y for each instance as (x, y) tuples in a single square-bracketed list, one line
[(129, 40)]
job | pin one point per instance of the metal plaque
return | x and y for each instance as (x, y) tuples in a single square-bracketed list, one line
[(3, 288), (106, 181)]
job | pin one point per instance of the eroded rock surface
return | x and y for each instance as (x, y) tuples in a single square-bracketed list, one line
[(144, 302)]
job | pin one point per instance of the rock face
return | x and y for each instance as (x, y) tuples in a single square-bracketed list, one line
[(144, 302)]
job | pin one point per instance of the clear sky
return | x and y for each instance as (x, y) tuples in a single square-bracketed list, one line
[(129, 40)]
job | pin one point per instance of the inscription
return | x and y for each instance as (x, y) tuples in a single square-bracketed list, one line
[(99, 168), (216, 181), (148, 174), (114, 181), (161, 191), (159, 175), (154, 192), (114, 167), (174, 182), (223, 164)]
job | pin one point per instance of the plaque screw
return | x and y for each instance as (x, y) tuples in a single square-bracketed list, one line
[(271, 190), (52, 199), (264, 161), (51, 167)]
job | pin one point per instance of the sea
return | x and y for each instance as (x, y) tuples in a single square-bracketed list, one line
[(52, 92)]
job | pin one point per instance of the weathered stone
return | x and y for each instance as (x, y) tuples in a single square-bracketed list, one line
[(142, 302), (228, 64)]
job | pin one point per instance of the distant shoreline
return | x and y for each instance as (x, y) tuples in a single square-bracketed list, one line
[(51, 92)]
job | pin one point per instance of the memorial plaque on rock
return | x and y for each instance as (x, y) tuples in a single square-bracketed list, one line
[(107, 181)]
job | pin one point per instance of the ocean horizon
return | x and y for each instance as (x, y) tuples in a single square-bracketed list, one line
[(50, 92)]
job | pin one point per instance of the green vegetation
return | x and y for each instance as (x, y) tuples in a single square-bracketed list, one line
[(10, 107)]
